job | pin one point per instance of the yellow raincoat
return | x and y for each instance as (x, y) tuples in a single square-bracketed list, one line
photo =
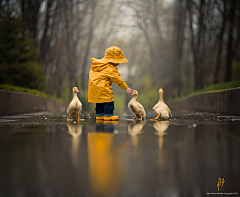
[(101, 76)]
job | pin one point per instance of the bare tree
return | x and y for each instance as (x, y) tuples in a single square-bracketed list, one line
[(59, 44), (220, 40), (229, 57), (212, 27), (149, 19), (88, 44), (30, 14), (178, 39)]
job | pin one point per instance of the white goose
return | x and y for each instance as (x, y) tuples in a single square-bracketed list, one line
[(136, 107), (161, 108), (75, 106)]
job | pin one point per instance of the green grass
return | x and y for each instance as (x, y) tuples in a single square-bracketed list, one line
[(21, 89), (220, 86)]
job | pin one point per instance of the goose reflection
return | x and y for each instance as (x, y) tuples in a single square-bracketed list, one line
[(161, 127), (75, 130), (134, 130)]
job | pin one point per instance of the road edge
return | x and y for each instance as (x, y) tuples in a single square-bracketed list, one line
[(21, 102), (220, 101)]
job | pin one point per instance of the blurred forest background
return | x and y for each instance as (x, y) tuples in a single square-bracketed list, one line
[(177, 45)]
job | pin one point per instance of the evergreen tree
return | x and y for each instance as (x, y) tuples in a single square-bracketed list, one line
[(18, 55)]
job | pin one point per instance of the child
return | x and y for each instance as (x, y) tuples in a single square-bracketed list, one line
[(101, 75)]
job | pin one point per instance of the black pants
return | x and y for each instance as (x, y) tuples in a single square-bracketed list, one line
[(105, 109)]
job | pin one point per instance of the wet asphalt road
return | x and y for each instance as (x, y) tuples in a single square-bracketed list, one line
[(195, 154)]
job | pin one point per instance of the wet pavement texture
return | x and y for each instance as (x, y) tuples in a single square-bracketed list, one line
[(194, 154)]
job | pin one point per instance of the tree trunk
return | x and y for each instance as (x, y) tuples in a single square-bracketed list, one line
[(30, 14), (44, 42), (220, 40), (180, 19), (197, 48), (90, 36), (194, 53), (229, 58)]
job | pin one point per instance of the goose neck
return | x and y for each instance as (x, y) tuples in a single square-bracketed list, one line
[(161, 97), (74, 94), (135, 97)]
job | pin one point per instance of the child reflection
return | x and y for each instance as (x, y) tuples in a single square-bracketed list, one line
[(105, 126), (104, 169), (135, 129), (75, 130), (161, 127)]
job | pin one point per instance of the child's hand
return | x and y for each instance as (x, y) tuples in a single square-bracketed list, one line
[(129, 90)]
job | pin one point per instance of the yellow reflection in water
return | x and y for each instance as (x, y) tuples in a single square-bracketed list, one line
[(75, 130), (161, 127), (104, 171), (134, 130)]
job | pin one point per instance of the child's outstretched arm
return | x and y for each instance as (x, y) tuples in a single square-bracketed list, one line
[(129, 90), (115, 76)]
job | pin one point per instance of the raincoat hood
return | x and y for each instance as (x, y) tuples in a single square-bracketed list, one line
[(98, 65)]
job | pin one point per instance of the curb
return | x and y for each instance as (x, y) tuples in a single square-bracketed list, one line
[(221, 101), (21, 102)]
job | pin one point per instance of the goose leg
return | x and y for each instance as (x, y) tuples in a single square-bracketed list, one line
[(79, 118), (156, 117), (141, 117), (68, 118), (133, 118)]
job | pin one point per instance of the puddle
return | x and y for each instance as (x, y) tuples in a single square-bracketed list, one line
[(42, 155)]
